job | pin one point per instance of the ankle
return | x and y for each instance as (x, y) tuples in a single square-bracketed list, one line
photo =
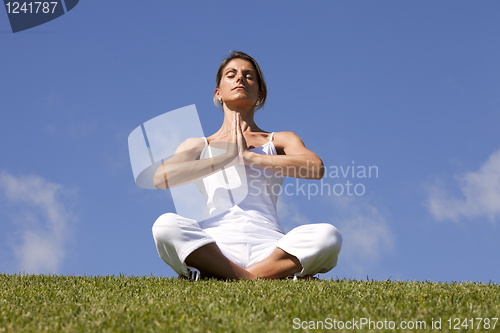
[(249, 276)]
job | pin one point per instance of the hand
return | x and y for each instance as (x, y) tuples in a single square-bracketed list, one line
[(240, 139), (232, 147)]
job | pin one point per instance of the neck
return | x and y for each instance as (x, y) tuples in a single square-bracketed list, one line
[(247, 121)]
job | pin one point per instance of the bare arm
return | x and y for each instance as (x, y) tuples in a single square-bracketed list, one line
[(185, 166), (297, 161)]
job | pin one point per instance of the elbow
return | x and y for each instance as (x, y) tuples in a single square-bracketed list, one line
[(318, 170), (159, 180), (156, 183)]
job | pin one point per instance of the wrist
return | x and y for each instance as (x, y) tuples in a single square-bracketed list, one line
[(250, 157)]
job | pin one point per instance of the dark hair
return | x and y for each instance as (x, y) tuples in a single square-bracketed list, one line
[(260, 76)]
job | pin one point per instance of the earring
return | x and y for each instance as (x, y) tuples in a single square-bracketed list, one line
[(257, 103), (220, 100)]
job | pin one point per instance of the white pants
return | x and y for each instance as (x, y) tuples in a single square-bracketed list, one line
[(315, 245)]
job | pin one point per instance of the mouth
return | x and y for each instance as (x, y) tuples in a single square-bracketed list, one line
[(239, 88)]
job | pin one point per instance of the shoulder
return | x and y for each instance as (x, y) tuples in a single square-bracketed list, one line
[(287, 141), (287, 137)]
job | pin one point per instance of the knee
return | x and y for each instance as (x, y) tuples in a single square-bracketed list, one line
[(164, 223), (166, 220), (330, 237)]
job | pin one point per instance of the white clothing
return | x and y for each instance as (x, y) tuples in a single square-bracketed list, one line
[(246, 229)]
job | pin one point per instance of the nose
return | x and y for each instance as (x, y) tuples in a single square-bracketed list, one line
[(239, 77)]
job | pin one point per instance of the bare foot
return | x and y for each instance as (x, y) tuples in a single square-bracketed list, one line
[(304, 278), (203, 275), (308, 278)]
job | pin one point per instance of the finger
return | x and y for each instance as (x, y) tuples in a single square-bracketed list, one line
[(238, 133), (237, 117), (236, 136), (238, 128), (235, 122), (242, 142), (232, 145), (234, 132)]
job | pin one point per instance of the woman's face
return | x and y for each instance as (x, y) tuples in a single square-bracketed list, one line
[(239, 85)]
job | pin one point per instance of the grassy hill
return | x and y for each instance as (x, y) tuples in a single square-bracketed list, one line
[(52, 303)]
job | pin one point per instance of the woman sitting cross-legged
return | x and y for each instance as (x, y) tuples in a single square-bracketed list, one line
[(242, 238)]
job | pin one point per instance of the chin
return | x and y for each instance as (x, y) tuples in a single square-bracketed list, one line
[(240, 104)]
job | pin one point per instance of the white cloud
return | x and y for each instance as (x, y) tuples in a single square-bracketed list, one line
[(365, 232), (480, 194), (289, 215), (42, 221)]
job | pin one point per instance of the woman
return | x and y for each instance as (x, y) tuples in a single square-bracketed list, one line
[(242, 238)]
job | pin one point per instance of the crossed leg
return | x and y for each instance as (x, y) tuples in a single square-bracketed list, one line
[(211, 262), (276, 266), (322, 242)]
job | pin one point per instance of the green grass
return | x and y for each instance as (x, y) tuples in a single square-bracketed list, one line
[(150, 304)]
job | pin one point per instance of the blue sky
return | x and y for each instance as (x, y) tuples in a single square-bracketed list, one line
[(412, 88)]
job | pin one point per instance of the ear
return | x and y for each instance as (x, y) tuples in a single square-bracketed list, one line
[(261, 95), (217, 93)]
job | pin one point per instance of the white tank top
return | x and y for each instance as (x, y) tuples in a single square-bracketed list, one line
[(242, 207)]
